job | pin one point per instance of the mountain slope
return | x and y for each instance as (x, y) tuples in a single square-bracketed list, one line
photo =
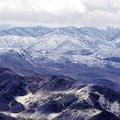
[(60, 73), (55, 97), (89, 55)]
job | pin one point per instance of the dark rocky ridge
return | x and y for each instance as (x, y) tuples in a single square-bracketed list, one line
[(11, 85), (59, 95), (105, 116)]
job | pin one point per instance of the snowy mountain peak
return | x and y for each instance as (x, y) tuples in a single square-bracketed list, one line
[(108, 34)]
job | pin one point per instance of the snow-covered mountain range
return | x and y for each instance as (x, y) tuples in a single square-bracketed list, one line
[(75, 70), (81, 53), (89, 46)]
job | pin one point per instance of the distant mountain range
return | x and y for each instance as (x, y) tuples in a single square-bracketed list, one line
[(63, 73), (6, 26), (109, 33), (84, 53)]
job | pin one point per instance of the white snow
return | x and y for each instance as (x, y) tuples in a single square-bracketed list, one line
[(24, 99)]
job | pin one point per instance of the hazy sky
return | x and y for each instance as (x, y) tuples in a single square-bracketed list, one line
[(55, 13)]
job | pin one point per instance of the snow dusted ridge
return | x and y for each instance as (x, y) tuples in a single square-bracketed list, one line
[(89, 46), (39, 67), (89, 55)]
